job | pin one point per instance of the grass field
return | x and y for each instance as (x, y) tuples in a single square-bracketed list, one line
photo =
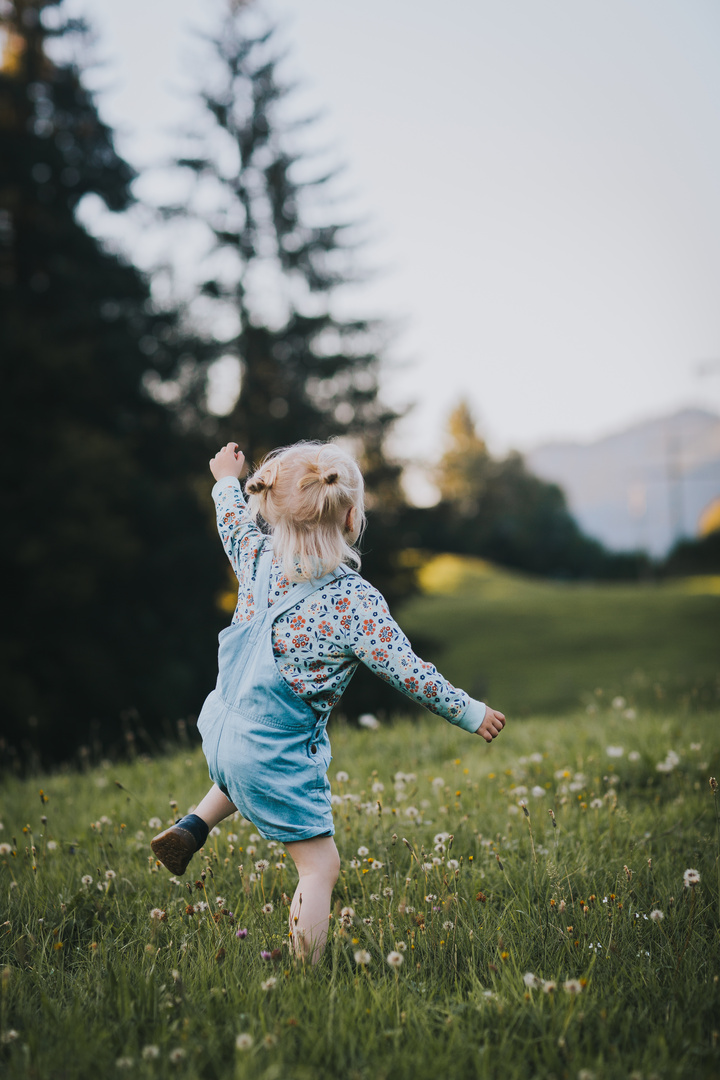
[(553, 899), (527, 949), (531, 646)]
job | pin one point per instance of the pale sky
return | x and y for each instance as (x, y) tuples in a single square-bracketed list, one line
[(540, 180)]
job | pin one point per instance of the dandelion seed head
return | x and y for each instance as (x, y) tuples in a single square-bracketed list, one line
[(362, 957), (395, 958), (244, 1041), (690, 878)]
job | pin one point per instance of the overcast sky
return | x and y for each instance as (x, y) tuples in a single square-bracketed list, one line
[(541, 180)]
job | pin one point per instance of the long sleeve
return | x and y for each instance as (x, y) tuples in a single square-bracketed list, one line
[(373, 636), (239, 534)]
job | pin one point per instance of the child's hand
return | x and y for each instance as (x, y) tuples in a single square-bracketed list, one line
[(492, 725), (228, 462)]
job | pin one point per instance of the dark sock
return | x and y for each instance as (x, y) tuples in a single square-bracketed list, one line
[(195, 826)]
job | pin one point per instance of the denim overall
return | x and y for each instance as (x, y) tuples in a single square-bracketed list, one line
[(265, 747)]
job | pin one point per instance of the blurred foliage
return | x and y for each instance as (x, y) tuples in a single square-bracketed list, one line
[(495, 509), (701, 556), (107, 554)]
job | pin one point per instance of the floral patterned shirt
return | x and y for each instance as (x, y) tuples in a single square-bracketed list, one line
[(319, 643)]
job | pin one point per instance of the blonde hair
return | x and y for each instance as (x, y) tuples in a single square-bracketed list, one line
[(304, 493)]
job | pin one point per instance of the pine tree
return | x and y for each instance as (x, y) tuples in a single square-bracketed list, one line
[(306, 373), (109, 587)]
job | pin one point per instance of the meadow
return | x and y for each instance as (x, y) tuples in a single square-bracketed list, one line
[(547, 906)]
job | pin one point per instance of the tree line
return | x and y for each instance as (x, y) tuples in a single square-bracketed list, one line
[(112, 566)]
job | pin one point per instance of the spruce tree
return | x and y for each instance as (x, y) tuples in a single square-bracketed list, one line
[(277, 261), (110, 588)]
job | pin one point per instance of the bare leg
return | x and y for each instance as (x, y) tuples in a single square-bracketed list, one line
[(318, 866), (214, 807)]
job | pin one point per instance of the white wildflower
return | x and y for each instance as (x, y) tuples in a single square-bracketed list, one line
[(395, 959), (690, 878), (362, 957)]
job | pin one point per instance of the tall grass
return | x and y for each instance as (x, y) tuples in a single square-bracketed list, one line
[(528, 942)]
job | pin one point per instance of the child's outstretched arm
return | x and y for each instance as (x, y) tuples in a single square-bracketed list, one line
[(372, 635)]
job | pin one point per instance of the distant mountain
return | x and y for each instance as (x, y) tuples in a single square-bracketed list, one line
[(644, 487)]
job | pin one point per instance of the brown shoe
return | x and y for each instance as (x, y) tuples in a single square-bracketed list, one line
[(174, 848)]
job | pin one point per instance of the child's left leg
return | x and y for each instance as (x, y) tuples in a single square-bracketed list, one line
[(318, 866), (176, 846)]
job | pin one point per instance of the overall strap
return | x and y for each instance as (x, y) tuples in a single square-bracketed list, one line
[(261, 587)]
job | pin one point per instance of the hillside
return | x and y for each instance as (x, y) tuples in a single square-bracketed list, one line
[(643, 487), (532, 646)]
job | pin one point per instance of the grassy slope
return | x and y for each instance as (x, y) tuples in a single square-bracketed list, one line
[(532, 646), (89, 978)]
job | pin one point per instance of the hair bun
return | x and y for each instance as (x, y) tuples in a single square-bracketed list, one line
[(330, 477)]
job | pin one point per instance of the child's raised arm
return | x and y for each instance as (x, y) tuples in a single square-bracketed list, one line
[(238, 531)]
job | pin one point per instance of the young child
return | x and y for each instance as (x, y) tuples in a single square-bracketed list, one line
[(303, 622)]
